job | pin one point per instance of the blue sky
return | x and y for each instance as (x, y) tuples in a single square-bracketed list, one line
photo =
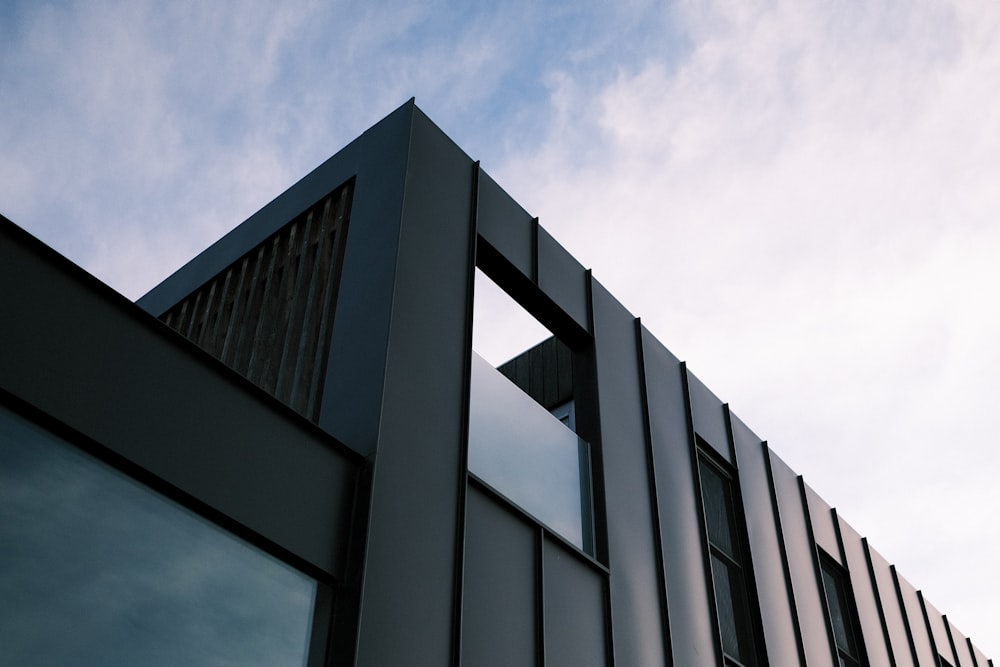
[(798, 197)]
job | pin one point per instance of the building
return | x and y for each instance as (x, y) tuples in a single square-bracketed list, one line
[(288, 453)]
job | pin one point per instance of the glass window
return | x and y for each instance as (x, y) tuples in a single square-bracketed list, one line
[(529, 455), (97, 569), (729, 581)]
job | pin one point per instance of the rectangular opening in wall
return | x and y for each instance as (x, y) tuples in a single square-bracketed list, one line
[(522, 426)]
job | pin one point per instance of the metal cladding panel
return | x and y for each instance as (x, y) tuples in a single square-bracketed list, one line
[(499, 596), (632, 550), (709, 418), (563, 279), (962, 650), (865, 596), (408, 602), (777, 616), (915, 620), (981, 659), (356, 370), (506, 226), (574, 610), (801, 565), (125, 380), (939, 632), (894, 621), (824, 529), (692, 634)]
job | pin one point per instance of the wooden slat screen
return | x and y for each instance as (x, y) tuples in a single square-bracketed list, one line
[(269, 314)]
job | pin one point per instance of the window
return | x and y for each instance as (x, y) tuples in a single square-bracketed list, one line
[(529, 455), (728, 561), (97, 569), (841, 611)]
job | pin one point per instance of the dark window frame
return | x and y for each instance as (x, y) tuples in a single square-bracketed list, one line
[(833, 573), (745, 611)]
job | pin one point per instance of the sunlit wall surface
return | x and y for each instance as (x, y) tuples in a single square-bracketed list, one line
[(528, 455), (96, 569)]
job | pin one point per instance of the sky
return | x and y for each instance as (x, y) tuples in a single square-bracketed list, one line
[(798, 197)]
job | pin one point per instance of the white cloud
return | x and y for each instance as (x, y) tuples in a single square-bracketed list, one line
[(804, 208)]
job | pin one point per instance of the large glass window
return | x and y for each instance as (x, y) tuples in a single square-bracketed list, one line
[(97, 569), (728, 561)]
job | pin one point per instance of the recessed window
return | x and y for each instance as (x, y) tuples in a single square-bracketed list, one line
[(841, 611), (97, 569), (729, 564)]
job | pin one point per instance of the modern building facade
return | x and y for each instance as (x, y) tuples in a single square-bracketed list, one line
[(288, 453)]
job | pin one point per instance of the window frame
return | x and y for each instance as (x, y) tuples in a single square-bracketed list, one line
[(840, 577), (746, 614)]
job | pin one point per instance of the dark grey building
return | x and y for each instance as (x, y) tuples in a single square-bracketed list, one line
[(288, 453)]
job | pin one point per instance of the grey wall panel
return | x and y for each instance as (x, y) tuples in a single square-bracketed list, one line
[(915, 620), (800, 550), (563, 279), (939, 631), (635, 577), (505, 225), (82, 353), (574, 610), (961, 642), (981, 659), (824, 529), (765, 547), (709, 417), (692, 634), (499, 595), (894, 621), (865, 597), (409, 593)]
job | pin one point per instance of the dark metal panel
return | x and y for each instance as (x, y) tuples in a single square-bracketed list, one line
[(692, 634), (915, 620), (506, 226), (574, 610), (865, 597), (801, 564), (635, 579), (563, 279), (78, 351), (939, 631), (499, 591), (895, 623), (355, 373), (709, 418), (773, 592), (824, 529), (409, 592)]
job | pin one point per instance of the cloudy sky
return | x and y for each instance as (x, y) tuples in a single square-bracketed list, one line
[(800, 198)]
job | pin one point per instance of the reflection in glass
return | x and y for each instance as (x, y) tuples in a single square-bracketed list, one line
[(96, 569), (528, 455)]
